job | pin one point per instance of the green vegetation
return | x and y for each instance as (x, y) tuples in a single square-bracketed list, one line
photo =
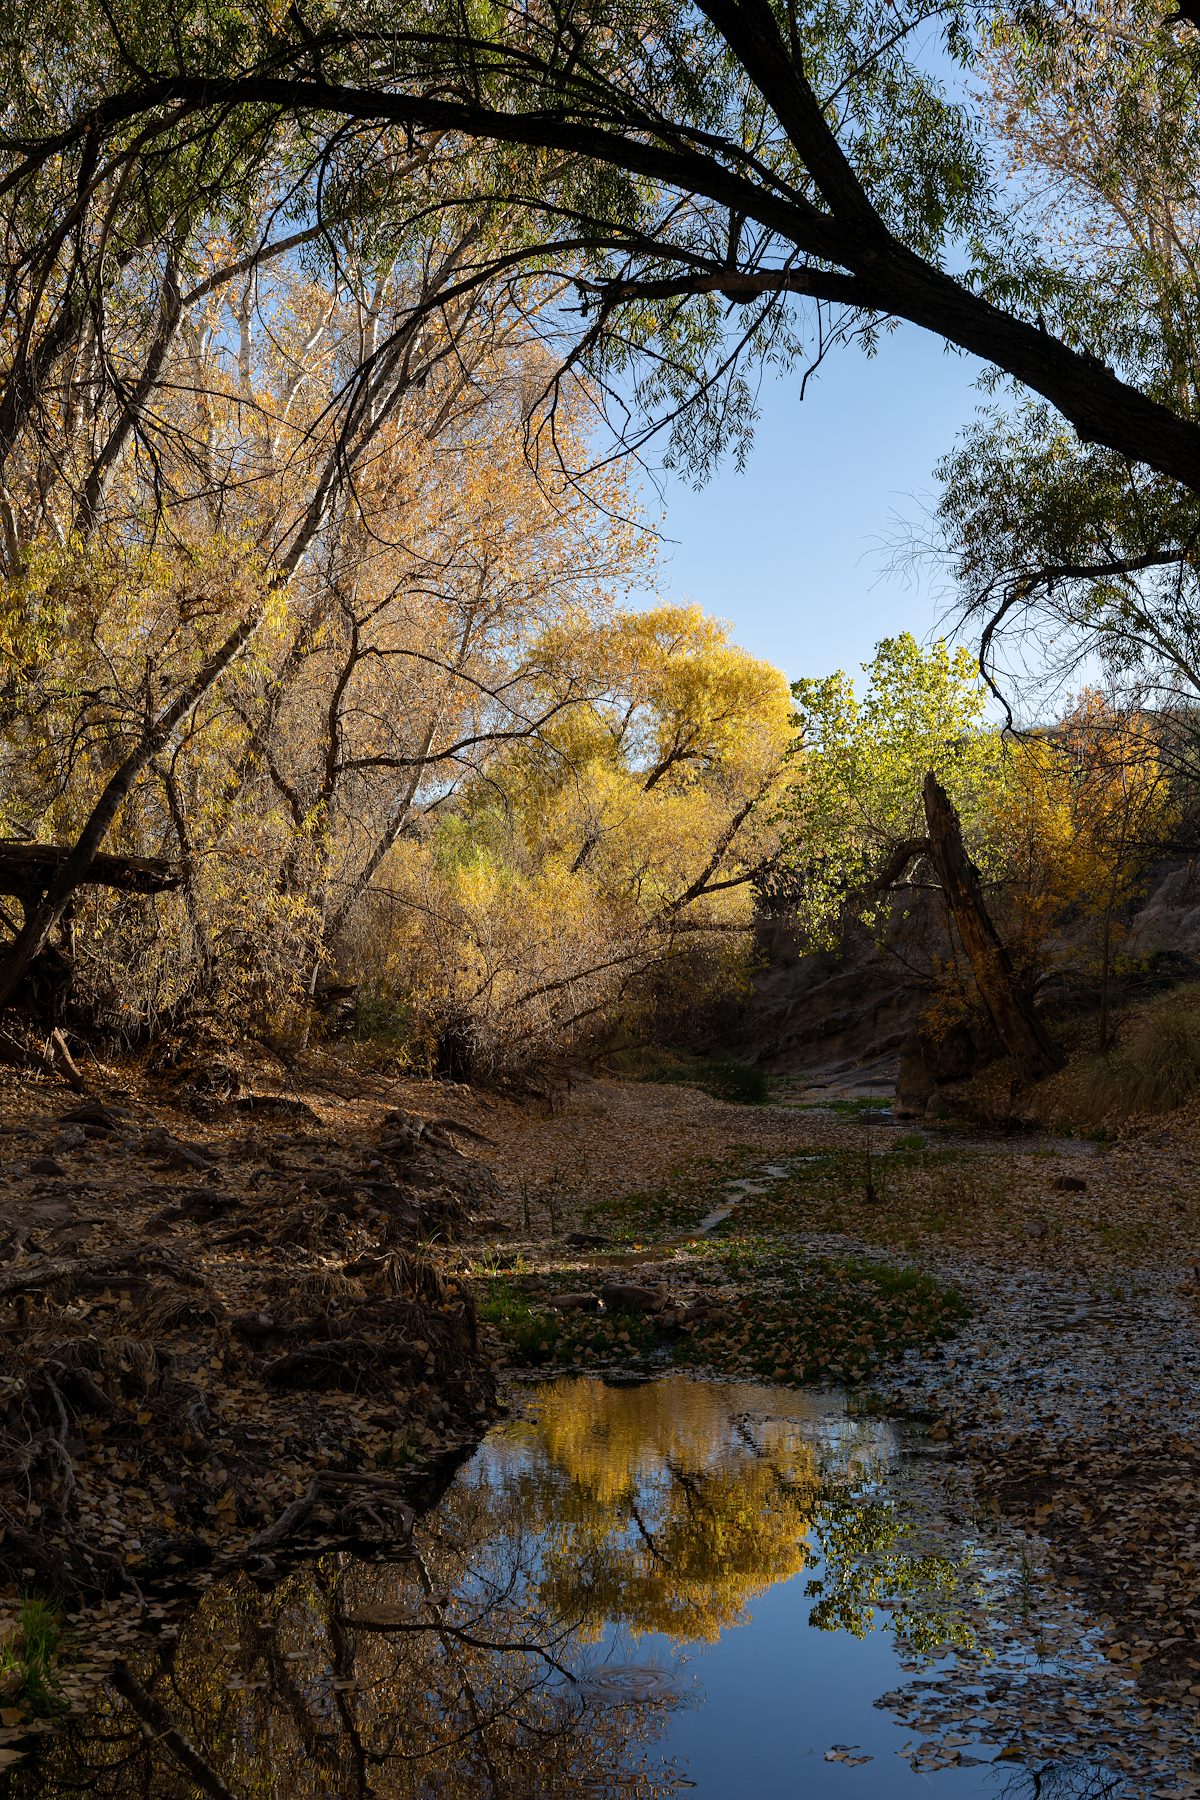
[(533, 1334), (677, 1206), (723, 1077), (860, 764), (29, 1655), (797, 1320)]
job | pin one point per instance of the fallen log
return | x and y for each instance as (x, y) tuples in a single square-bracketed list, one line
[(26, 871)]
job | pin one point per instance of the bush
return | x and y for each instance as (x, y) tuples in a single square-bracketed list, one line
[(723, 1077), (1154, 1069)]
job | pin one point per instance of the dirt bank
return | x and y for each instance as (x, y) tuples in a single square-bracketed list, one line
[(221, 1329)]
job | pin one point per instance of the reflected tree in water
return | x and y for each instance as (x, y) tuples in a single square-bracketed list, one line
[(486, 1663), (867, 1568), (1063, 1781)]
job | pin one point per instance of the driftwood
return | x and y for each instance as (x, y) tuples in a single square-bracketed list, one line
[(95, 1271), (322, 1488)]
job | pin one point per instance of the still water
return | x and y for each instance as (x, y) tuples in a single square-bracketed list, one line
[(668, 1587)]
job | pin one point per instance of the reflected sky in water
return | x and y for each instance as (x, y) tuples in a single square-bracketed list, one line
[(666, 1587)]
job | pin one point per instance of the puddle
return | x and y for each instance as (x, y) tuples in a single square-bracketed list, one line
[(644, 1589)]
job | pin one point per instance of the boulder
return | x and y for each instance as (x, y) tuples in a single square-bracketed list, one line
[(929, 1062), (630, 1297), (575, 1301)]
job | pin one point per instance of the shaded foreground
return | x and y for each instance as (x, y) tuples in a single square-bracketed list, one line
[(629, 1590), (222, 1327)]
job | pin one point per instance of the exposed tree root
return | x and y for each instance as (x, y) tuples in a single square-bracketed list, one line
[(163, 1403)]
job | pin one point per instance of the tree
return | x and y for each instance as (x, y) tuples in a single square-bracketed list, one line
[(1080, 817), (1022, 835), (1065, 549), (416, 643), (676, 161), (853, 814), (619, 842)]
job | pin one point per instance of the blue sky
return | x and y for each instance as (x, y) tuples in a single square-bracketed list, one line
[(793, 550)]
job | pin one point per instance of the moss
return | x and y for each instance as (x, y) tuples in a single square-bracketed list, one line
[(533, 1335)]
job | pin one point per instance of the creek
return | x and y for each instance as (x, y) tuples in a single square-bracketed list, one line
[(635, 1589)]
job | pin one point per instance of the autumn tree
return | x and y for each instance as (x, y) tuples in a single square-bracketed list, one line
[(1080, 816), (623, 838), (376, 686), (1053, 829)]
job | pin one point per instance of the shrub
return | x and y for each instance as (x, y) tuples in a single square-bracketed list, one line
[(1153, 1069)]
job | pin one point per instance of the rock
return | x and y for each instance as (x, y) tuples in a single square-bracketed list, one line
[(96, 1114), (46, 1165), (490, 1227), (1070, 1184), (575, 1302), (939, 1106), (929, 1062), (820, 1010), (628, 1296), (587, 1240), (73, 1138)]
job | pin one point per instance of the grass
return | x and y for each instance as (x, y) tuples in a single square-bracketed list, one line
[(795, 1319), (678, 1206), (533, 1335), (722, 1077), (1153, 1067), (30, 1654)]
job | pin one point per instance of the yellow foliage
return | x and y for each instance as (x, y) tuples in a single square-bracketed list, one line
[(616, 843), (1074, 819)]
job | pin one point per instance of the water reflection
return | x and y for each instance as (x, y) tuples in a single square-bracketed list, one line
[(551, 1625)]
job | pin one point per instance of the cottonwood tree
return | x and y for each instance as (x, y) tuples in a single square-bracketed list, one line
[(622, 842), (415, 642), (270, 403)]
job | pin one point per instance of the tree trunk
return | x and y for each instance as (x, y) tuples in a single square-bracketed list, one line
[(1011, 1011), (75, 867)]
